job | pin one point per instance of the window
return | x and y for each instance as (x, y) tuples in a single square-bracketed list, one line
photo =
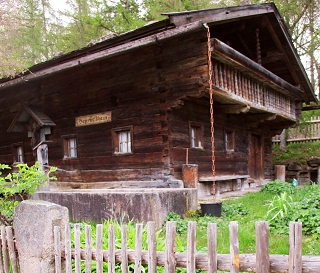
[(122, 140), (229, 140), (196, 135), (70, 147), (18, 153)]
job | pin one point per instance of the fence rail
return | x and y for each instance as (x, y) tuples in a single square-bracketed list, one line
[(309, 131), (259, 262)]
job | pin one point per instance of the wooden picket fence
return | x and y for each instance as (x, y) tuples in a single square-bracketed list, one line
[(308, 132), (8, 253), (259, 262)]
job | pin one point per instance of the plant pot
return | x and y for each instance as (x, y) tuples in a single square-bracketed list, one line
[(212, 209)]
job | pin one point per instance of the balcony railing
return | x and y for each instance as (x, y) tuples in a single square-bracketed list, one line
[(242, 79)]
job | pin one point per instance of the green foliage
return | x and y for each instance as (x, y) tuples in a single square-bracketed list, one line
[(278, 187), (295, 152), (19, 185), (307, 210), (280, 211), (231, 211)]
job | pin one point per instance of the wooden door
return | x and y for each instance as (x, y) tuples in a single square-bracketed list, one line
[(256, 158)]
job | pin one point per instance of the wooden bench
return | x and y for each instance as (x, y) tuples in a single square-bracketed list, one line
[(237, 181)]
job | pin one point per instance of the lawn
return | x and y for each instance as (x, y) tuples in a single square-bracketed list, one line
[(278, 203)]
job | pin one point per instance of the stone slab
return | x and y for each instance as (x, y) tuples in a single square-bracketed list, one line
[(140, 205)]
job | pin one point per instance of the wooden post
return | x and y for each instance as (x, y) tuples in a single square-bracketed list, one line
[(262, 247), (191, 247), (234, 248), (295, 250), (170, 249), (190, 175), (280, 172)]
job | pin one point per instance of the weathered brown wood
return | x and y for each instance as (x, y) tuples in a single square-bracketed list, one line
[(152, 248), (295, 247), (99, 250), (262, 247), (5, 254), (12, 250), (77, 248), (242, 62), (124, 251), (111, 249), (278, 263), (191, 247), (212, 248), (68, 249), (138, 248), (234, 247), (57, 249), (170, 249), (88, 248)]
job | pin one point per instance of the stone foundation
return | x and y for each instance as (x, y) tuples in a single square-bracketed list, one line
[(140, 205)]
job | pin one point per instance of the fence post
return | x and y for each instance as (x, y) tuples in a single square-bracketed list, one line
[(33, 225)]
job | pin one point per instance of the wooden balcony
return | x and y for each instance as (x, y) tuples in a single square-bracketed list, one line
[(242, 83)]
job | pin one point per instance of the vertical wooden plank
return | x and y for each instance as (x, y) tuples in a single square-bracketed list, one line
[(57, 249), (152, 247), (88, 248), (112, 250), (191, 247), (5, 254), (295, 247), (138, 249), (170, 248), (1, 254), (77, 258), (262, 247), (99, 251), (12, 250), (68, 249), (212, 248), (124, 251), (234, 247)]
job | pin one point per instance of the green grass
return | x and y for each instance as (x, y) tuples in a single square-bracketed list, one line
[(295, 152)]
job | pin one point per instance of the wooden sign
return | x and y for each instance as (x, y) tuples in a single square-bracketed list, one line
[(93, 119)]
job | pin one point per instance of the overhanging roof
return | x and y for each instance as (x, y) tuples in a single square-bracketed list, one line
[(288, 66), (20, 122)]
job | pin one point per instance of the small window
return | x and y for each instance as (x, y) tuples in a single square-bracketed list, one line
[(70, 147), (18, 153), (196, 135), (229, 140), (122, 140)]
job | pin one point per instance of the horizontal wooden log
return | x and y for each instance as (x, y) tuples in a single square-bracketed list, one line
[(278, 263)]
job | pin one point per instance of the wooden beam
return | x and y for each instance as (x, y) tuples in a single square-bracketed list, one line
[(260, 118), (227, 54), (218, 15), (232, 109)]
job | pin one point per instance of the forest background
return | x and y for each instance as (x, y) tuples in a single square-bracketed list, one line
[(33, 31)]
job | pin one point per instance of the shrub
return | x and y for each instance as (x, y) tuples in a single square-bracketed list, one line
[(278, 187), (17, 186)]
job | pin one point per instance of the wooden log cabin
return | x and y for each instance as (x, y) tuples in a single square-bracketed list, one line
[(125, 111)]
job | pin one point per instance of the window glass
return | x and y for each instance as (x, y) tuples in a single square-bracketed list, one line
[(70, 147), (196, 135)]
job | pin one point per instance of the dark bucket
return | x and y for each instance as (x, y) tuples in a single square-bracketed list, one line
[(212, 209)]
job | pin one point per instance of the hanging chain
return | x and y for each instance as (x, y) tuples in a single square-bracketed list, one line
[(211, 111)]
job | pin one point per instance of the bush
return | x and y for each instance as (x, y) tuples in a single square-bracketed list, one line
[(278, 187), (17, 186)]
